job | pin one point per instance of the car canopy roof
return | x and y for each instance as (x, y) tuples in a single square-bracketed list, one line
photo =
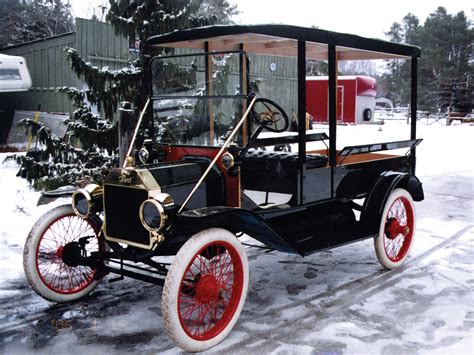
[(282, 40)]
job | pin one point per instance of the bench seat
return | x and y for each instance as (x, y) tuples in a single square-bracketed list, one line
[(263, 159)]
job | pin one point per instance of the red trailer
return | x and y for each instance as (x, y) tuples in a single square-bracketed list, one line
[(355, 98)]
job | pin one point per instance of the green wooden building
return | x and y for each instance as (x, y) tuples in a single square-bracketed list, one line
[(49, 68), (97, 43)]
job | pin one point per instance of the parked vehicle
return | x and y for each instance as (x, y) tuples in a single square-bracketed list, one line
[(201, 183), (14, 74), (355, 98)]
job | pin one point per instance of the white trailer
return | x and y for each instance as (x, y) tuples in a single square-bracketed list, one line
[(14, 74)]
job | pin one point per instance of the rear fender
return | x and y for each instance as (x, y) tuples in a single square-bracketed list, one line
[(385, 184), (233, 219)]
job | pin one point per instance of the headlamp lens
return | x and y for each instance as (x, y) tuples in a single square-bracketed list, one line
[(143, 155), (81, 204), (87, 201), (151, 215)]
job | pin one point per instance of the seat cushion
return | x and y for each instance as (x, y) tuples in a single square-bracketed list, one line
[(263, 159)]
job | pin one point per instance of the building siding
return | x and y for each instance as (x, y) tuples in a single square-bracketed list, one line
[(97, 43), (49, 69)]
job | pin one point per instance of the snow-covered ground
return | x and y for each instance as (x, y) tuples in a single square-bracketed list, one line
[(337, 301)]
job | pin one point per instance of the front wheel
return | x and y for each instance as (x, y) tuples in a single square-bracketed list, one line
[(45, 270), (205, 289), (397, 229)]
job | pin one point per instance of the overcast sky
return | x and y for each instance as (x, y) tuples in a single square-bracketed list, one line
[(362, 17)]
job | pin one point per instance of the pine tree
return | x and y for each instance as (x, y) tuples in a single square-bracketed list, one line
[(91, 149), (396, 81), (447, 47), (24, 21), (446, 65), (141, 19)]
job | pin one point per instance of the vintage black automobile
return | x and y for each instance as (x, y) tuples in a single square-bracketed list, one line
[(201, 180)]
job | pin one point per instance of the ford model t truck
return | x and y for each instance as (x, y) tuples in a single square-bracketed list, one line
[(200, 181)]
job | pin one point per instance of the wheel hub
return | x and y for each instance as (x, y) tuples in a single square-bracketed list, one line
[(394, 228), (59, 251), (208, 289), (71, 254)]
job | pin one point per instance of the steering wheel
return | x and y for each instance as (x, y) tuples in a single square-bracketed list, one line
[(270, 115)]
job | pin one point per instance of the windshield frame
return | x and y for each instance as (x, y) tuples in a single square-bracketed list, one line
[(243, 71), (244, 90)]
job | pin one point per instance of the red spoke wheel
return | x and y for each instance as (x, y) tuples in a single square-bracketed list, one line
[(45, 270), (397, 229), (205, 289)]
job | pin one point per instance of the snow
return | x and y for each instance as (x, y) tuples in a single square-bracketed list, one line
[(335, 301)]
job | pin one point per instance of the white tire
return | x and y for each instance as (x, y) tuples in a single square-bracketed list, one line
[(44, 268), (397, 229), (205, 289)]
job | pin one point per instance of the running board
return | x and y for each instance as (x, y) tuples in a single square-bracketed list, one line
[(136, 275)]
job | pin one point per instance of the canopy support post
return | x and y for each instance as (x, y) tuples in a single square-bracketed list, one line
[(332, 88), (414, 107), (301, 115)]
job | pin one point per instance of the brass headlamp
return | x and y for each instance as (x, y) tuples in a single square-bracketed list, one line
[(87, 201), (153, 212)]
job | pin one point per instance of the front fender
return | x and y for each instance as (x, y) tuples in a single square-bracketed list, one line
[(233, 219), (50, 196), (385, 184)]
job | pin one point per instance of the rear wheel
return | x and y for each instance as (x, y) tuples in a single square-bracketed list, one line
[(397, 229), (205, 289), (45, 270)]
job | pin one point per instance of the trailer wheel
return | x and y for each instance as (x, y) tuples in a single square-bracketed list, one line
[(205, 289), (45, 270), (397, 229), (367, 114)]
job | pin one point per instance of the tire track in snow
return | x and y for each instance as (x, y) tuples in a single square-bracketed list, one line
[(56, 310), (330, 301)]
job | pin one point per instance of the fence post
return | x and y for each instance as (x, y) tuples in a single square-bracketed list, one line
[(126, 126)]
